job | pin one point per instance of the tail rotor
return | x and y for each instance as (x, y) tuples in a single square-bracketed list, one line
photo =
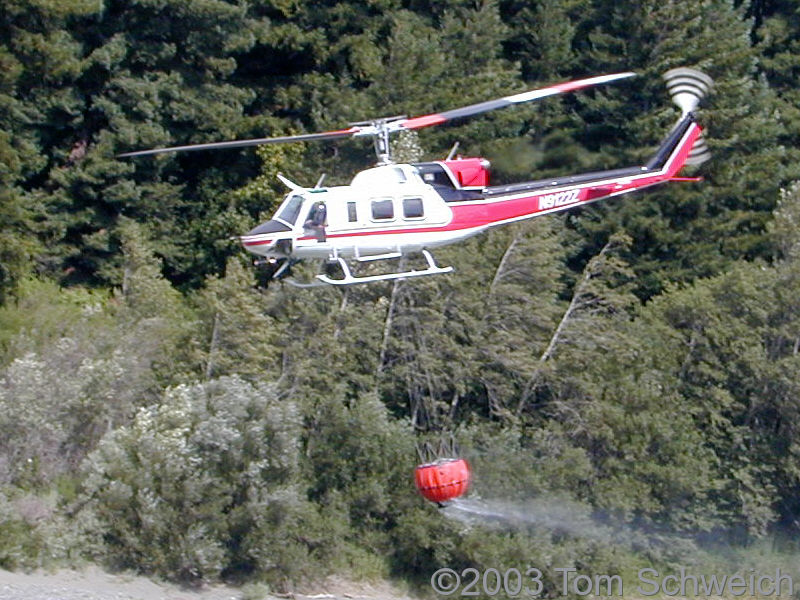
[(688, 87)]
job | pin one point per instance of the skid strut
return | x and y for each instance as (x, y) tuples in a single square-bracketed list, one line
[(350, 279)]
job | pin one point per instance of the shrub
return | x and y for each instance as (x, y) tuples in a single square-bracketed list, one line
[(206, 481)]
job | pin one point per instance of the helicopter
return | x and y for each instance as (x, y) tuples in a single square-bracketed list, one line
[(395, 209)]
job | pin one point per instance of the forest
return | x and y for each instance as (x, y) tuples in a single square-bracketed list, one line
[(166, 410)]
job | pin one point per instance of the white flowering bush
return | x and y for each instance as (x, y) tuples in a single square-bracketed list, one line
[(204, 482), (55, 406)]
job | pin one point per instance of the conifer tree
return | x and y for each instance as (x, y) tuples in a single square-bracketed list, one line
[(40, 61), (89, 84), (153, 314), (243, 339), (684, 233), (775, 28)]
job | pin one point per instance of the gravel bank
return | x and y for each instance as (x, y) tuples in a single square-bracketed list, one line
[(95, 584)]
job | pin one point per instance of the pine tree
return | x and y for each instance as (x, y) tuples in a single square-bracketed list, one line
[(713, 340), (85, 84), (243, 339), (682, 233), (41, 63), (776, 24), (152, 314)]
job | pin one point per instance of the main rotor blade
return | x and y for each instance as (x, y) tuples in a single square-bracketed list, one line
[(482, 107), (381, 127), (252, 142)]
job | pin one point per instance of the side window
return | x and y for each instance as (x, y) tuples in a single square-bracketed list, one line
[(412, 208), (382, 209), (352, 215)]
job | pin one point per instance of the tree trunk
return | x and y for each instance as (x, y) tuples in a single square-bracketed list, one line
[(387, 330), (213, 346), (551, 346), (501, 266)]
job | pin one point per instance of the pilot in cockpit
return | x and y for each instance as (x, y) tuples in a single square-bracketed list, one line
[(315, 223)]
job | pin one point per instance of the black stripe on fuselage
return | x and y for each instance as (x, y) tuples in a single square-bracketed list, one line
[(655, 164)]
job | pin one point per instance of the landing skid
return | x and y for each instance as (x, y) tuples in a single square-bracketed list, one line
[(300, 284), (350, 279)]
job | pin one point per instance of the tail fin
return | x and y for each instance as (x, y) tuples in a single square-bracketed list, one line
[(688, 87)]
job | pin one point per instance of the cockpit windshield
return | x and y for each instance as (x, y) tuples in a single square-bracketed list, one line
[(290, 210)]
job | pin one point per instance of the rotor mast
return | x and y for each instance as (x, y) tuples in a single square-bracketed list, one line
[(380, 129)]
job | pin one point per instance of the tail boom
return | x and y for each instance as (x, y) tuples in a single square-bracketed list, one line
[(506, 204)]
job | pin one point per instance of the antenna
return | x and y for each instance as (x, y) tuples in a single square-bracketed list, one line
[(452, 151)]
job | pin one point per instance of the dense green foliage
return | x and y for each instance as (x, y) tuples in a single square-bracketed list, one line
[(638, 360)]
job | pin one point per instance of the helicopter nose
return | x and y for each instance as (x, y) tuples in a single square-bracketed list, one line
[(262, 239), (260, 246)]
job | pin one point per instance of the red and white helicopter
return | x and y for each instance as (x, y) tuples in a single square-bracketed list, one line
[(393, 209)]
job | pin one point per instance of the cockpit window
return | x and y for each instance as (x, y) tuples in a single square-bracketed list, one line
[(269, 227), (291, 210)]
